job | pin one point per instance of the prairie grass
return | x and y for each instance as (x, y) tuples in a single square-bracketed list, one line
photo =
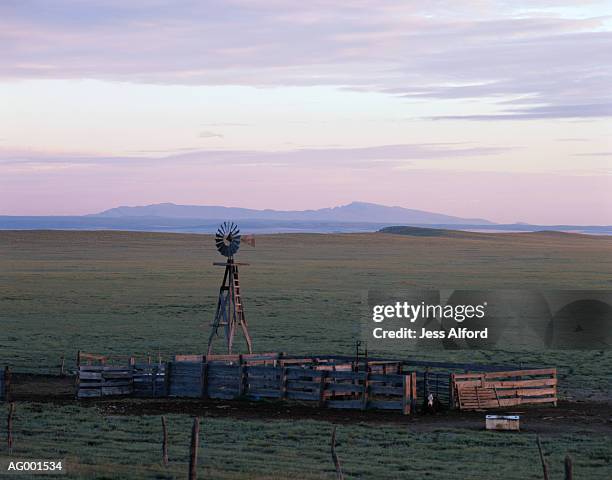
[(117, 447), (137, 293)]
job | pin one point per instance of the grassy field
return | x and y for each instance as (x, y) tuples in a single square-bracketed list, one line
[(139, 293), (117, 447)]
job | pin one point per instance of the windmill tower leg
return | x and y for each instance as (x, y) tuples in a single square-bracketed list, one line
[(239, 309), (221, 317), (247, 337)]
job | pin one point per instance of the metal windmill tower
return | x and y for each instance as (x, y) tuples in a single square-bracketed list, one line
[(230, 309)]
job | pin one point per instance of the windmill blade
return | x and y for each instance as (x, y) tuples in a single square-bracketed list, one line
[(227, 238)]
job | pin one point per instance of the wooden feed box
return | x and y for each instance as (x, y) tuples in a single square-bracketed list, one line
[(502, 422)]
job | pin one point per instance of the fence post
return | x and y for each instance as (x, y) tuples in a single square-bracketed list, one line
[(241, 376), (406, 390), (167, 378), (7, 383), (569, 470), (335, 459), (193, 451), (204, 392), (164, 441), (322, 388), (544, 466), (451, 391), (284, 379), (366, 388), (413, 383), (9, 428), (155, 371), (62, 373)]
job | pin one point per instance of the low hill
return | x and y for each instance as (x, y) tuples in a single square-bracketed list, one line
[(441, 232), (433, 232)]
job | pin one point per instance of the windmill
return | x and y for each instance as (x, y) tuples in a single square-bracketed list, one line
[(230, 309)]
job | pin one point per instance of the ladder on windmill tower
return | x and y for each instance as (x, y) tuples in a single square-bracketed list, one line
[(239, 307), (230, 308)]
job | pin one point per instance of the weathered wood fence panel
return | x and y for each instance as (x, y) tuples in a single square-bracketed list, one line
[(102, 380), (266, 382), (224, 381), (333, 389), (149, 380), (184, 379), (505, 389)]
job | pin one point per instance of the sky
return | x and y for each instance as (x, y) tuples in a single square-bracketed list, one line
[(492, 109)]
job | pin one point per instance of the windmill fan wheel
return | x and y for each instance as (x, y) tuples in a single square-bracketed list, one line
[(227, 239)]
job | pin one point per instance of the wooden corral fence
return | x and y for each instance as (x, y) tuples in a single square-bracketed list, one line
[(504, 389), (263, 376), (330, 380)]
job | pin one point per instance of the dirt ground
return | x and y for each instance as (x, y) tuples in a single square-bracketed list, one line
[(565, 418)]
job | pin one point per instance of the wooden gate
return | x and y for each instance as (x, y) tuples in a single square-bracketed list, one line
[(504, 389)]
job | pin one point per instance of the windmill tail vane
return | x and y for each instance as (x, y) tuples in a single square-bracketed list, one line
[(249, 240)]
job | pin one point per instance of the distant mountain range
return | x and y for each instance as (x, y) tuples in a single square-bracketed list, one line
[(353, 212), (354, 217)]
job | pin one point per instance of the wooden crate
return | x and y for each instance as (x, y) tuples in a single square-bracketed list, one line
[(502, 422)]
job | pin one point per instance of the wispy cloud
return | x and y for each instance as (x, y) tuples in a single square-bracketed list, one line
[(560, 67), (594, 154), (535, 113), (226, 124), (358, 157), (207, 134)]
